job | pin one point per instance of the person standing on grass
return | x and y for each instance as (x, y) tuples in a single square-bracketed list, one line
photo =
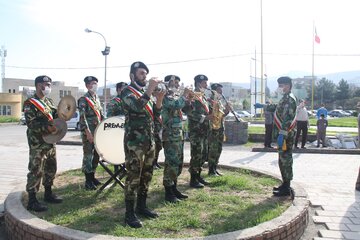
[(140, 113), (285, 122), (302, 124)]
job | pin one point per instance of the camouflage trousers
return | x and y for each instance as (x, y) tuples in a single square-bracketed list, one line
[(42, 164), (286, 160), (198, 151), (139, 165), (158, 146), (90, 155), (216, 139), (174, 159)]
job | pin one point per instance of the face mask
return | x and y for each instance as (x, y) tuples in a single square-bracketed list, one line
[(46, 91), (280, 90), (94, 88)]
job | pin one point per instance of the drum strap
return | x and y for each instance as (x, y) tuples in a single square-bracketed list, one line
[(117, 99), (92, 105), (149, 104), (42, 107)]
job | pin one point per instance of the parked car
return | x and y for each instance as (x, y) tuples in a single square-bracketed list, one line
[(244, 114), (338, 113), (74, 122)]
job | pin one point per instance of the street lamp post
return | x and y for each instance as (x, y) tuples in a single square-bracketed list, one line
[(105, 53)]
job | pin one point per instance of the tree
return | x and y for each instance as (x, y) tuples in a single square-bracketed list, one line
[(324, 92), (246, 104), (342, 93)]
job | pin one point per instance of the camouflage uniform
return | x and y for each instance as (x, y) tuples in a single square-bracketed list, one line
[(216, 137), (199, 129), (286, 111), (89, 120), (115, 107), (42, 155), (139, 140), (157, 136), (172, 137)]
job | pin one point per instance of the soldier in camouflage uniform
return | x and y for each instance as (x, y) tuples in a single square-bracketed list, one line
[(140, 112), (115, 107), (172, 137), (39, 114), (91, 114), (285, 122), (216, 137), (199, 129)]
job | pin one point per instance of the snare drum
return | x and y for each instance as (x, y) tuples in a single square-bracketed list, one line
[(109, 140)]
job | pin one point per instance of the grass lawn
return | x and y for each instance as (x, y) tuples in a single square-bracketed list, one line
[(240, 199)]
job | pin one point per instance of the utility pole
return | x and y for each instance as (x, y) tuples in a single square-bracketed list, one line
[(3, 54)]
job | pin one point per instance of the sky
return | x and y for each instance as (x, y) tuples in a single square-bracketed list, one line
[(181, 37)]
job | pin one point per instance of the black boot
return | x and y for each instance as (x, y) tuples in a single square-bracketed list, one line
[(217, 171), (34, 205), (170, 196), (130, 216), (201, 180), (212, 171), (194, 182), (177, 193), (142, 209), (95, 181), (89, 185), (156, 165), (51, 197), (285, 190), (277, 188)]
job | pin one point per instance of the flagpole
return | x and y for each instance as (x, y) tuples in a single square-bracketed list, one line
[(313, 77)]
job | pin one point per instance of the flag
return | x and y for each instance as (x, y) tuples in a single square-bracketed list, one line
[(317, 38)]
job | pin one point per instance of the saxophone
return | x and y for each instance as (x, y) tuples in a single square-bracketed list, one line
[(218, 112)]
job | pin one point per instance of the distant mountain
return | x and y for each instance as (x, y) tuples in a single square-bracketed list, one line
[(352, 77)]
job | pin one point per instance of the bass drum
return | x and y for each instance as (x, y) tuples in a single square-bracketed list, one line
[(109, 140)]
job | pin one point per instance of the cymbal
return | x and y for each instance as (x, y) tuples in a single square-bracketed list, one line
[(61, 129), (66, 107)]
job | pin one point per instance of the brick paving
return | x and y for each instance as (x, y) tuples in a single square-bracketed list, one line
[(329, 180)]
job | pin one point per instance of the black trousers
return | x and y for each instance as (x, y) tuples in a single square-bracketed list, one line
[(268, 135), (302, 126)]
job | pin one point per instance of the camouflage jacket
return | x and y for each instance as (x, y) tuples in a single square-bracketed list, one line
[(36, 121), (196, 117), (139, 116), (285, 111), (115, 107), (91, 113), (172, 117)]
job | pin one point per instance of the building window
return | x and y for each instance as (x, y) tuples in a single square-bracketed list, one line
[(61, 93), (13, 90), (9, 90), (5, 110), (69, 92)]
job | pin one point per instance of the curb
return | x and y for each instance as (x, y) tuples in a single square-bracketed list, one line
[(21, 224), (313, 150)]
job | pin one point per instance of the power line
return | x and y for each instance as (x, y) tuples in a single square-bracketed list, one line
[(191, 60)]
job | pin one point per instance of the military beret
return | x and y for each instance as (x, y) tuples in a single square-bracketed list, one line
[(120, 85), (214, 86), (89, 79), (42, 78), (137, 65), (169, 78), (284, 80), (200, 78)]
